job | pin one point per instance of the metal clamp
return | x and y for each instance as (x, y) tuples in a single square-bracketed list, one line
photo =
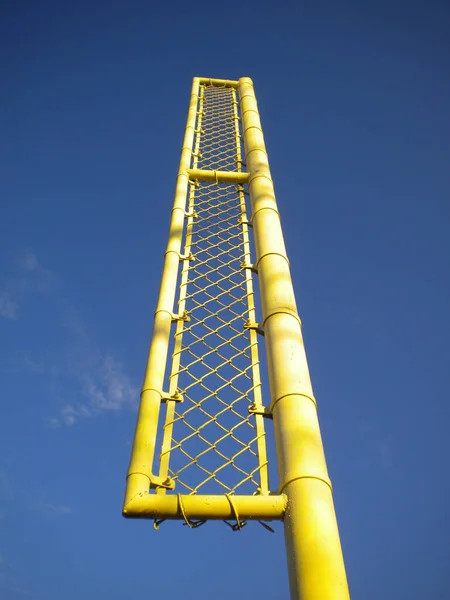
[(260, 410), (242, 221), (189, 256), (255, 326), (245, 265), (184, 316), (176, 397), (161, 482)]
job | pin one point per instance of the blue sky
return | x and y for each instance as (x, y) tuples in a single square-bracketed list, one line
[(354, 99)]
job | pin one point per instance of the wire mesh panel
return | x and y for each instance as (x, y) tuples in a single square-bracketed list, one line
[(213, 437), (218, 123)]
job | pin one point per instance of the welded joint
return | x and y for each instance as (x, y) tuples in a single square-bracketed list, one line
[(275, 210), (176, 397), (246, 265), (253, 126), (255, 326), (260, 174), (257, 149), (283, 311), (303, 395), (325, 480), (280, 254), (264, 411)]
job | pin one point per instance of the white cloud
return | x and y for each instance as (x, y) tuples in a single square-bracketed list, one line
[(51, 509), (102, 382), (28, 261), (8, 308), (34, 366), (112, 390), (34, 276), (107, 390), (58, 509), (30, 277)]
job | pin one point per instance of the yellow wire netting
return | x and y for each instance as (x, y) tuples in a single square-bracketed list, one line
[(211, 443)]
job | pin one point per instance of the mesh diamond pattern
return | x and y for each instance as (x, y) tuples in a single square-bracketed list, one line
[(218, 139), (211, 443)]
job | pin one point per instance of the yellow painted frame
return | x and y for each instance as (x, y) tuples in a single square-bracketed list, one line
[(139, 503), (304, 501)]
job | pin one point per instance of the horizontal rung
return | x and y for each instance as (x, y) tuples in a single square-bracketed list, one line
[(219, 82), (218, 176), (155, 506)]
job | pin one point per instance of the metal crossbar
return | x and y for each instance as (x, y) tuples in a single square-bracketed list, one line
[(211, 442)]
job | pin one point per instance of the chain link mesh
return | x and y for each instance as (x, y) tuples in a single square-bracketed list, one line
[(212, 444), (218, 136)]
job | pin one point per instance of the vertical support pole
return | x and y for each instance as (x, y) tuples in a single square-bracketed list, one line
[(173, 378), (140, 470), (315, 561)]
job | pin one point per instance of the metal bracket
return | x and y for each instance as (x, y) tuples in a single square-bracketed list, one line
[(184, 316), (242, 221), (189, 256), (255, 326), (192, 213), (252, 268), (241, 187), (159, 482), (260, 410), (177, 397)]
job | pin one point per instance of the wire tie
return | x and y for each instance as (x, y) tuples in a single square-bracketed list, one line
[(183, 512), (239, 525)]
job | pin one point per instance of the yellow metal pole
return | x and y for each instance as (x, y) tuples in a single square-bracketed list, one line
[(315, 561), (218, 176), (233, 506), (140, 471), (219, 82)]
